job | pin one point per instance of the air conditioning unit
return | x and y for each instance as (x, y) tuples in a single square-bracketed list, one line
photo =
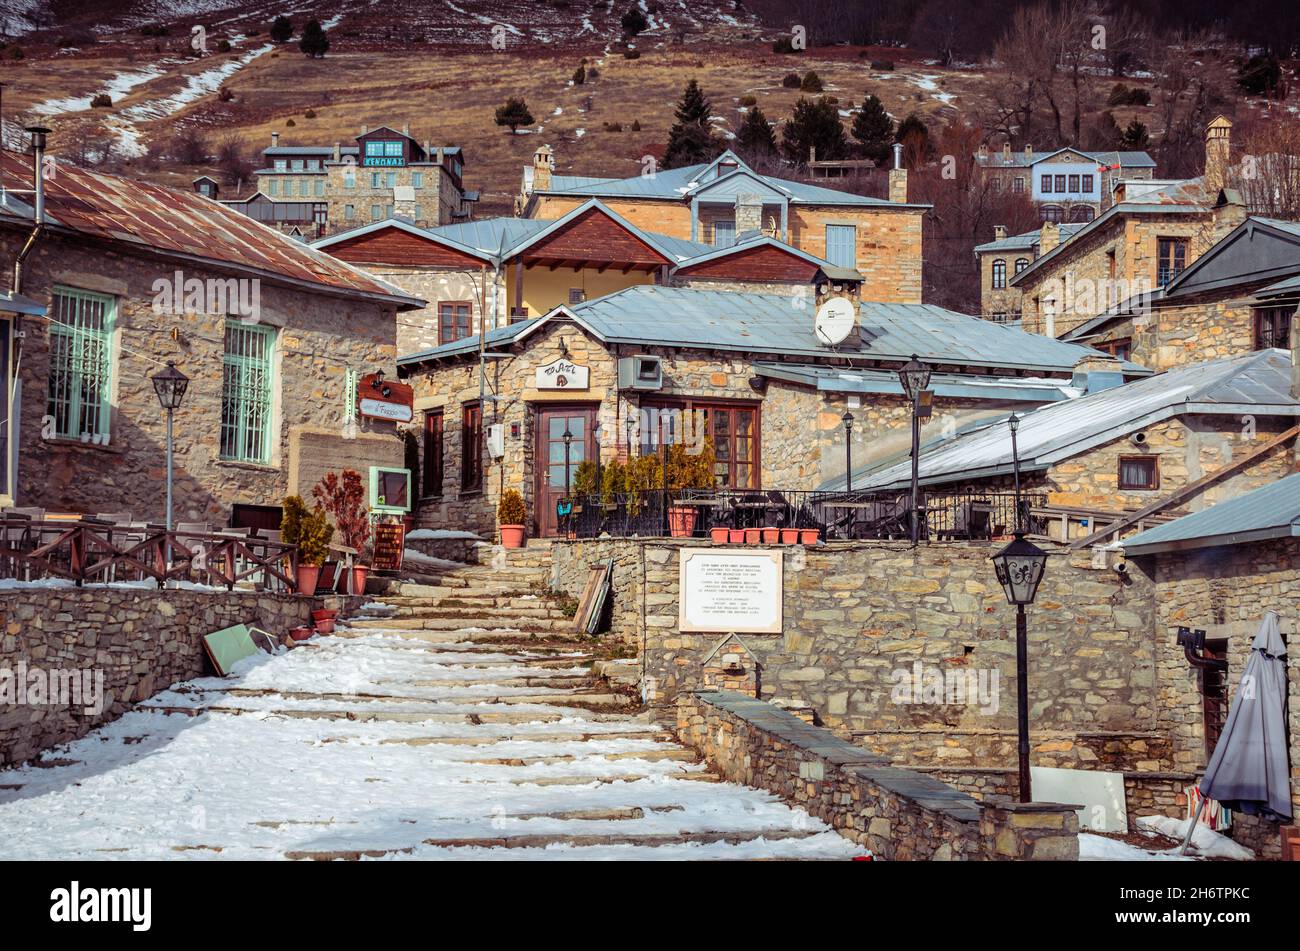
[(640, 373)]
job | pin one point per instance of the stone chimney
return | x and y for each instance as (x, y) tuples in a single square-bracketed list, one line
[(1048, 238), (1218, 143), (983, 152), (365, 129), (1097, 372), (543, 166), (898, 177), (1006, 152), (999, 232), (406, 128), (749, 213), (1029, 153), (1226, 215), (812, 154), (275, 139), (338, 151)]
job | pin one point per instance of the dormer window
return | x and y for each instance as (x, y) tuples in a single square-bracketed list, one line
[(726, 168)]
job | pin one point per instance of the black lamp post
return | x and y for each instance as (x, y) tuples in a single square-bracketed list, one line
[(848, 450), (568, 442), (1019, 567), (915, 377), (170, 385), (1014, 423)]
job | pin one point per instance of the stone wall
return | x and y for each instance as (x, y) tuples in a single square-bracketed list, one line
[(141, 639), (897, 814), (317, 339)]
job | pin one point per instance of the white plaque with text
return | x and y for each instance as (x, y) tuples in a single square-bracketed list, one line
[(737, 591)]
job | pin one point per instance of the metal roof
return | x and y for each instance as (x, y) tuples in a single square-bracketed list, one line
[(1256, 382), (187, 225), (1027, 241), (1272, 511), (11, 303), (885, 382), (653, 315), (1017, 159)]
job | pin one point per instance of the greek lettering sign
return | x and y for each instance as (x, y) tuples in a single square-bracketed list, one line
[(562, 375), (737, 591)]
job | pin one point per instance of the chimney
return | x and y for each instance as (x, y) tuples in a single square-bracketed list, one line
[(749, 214), (1218, 142), (1006, 152), (275, 139), (1226, 215), (812, 154), (406, 128), (338, 151), (438, 155), (543, 166), (365, 129), (427, 151), (999, 232), (1048, 238), (1097, 372), (898, 177), (1029, 153), (38, 202), (983, 153)]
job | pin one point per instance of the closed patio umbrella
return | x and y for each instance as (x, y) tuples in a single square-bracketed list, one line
[(1248, 771)]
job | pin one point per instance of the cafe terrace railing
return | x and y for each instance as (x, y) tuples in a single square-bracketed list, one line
[(945, 516), (83, 551)]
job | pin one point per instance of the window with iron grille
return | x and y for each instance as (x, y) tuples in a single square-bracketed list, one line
[(471, 448), (453, 321), (1273, 327), (81, 354), (1138, 472), (1171, 259), (246, 389)]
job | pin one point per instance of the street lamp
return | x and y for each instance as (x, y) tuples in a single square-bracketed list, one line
[(170, 385), (848, 450), (1014, 424), (1019, 568), (915, 377), (568, 441)]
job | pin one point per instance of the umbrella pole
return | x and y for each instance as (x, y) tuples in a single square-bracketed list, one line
[(1182, 849)]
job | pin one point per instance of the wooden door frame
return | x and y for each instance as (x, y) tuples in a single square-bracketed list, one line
[(539, 410)]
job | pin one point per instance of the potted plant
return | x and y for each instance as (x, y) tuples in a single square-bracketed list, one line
[(510, 518), (736, 536), (771, 536), (301, 633), (789, 536), (323, 620), (687, 470), (311, 532), (343, 496)]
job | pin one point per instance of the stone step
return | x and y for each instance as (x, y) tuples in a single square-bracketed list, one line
[(698, 777), (388, 717), (498, 622), (658, 737), (477, 609), (502, 639), (676, 754)]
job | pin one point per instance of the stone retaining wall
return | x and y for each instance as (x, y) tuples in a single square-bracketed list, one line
[(142, 640), (898, 814)]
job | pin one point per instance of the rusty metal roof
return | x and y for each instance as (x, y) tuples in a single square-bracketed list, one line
[(185, 224)]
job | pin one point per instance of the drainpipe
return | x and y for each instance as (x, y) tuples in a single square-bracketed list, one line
[(38, 204)]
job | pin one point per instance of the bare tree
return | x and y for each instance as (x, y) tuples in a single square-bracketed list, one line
[(1267, 173)]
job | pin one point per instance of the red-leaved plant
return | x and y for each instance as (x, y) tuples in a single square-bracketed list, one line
[(344, 498)]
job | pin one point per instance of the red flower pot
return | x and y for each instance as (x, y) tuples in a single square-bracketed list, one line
[(809, 536), (736, 536), (771, 536), (681, 520), (753, 536), (324, 614), (308, 575), (359, 573), (512, 536), (719, 535), (301, 633), (789, 536), (324, 625)]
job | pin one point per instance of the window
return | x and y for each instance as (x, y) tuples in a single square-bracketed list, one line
[(999, 274), (273, 186), (392, 148), (390, 490), (1171, 259), (1081, 214), (724, 234), (577, 295), (349, 211), (1138, 472), (842, 245), (417, 179), (376, 212), (320, 188), (350, 179), (388, 211), (417, 212), (1018, 184), (1273, 327), (1045, 185), (1051, 213), (1121, 349), (304, 186), (732, 428), (1074, 184), (1021, 264), (81, 340), (433, 453), (390, 179), (999, 317), (1087, 182), (471, 448), (1060, 183), (453, 321), (375, 179), (281, 165), (297, 165), (246, 392)]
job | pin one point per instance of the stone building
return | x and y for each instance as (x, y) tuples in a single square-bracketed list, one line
[(517, 268), (1239, 296), (747, 366), (314, 190), (714, 203), (1137, 246), (1066, 185), (127, 276), (1129, 446), (1006, 256)]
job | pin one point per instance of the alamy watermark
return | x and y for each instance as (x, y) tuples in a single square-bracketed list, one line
[(936, 686), (22, 685), (237, 297)]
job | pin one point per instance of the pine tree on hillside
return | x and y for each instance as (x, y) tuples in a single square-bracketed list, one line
[(633, 21), (281, 30), (914, 134), (691, 140), (314, 42), (755, 136), (514, 113), (1135, 137), (874, 130), (814, 124)]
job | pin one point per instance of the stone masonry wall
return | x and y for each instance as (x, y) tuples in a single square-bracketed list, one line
[(141, 639)]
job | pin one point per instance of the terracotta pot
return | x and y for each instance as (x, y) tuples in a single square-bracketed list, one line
[(789, 536), (512, 536), (324, 625), (736, 536), (809, 536), (359, 573), (324, 614), (771, 536), (681, 520), (301, 633), (719, 535), (328, 572), (753, 536), (308, 575)]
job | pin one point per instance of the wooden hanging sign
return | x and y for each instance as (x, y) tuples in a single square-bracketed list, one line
[(390, 541), (381, 398)]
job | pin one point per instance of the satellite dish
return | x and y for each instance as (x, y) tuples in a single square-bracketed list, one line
[(834, 321)]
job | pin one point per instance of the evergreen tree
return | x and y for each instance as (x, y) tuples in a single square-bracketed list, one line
[(814, 124), (755, 136), (314, 42), (874, 130), (914, 134), (281, 30), (1135, 137), (691, 140), (633, 21), (580, 75), (514, 113)]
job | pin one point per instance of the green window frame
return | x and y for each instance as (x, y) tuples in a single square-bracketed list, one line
[(246, 392), (81, 363)]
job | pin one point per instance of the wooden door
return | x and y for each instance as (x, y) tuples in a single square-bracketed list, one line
[(548, 457)]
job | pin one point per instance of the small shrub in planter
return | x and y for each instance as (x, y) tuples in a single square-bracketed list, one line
[(510, 518)]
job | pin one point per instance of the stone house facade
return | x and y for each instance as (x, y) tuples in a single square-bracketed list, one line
[(267, 343), (1006, 256), (1067, 185)]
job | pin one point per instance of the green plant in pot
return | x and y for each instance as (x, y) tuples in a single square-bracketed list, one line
[(510, 518), (343, 496), (311, 531), (687, 469)]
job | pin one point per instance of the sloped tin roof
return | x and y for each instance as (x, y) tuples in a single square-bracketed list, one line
[(1272, 511)]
